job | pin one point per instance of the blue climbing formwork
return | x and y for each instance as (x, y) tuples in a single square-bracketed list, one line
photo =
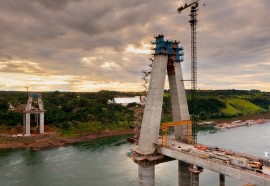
[(168, 47)]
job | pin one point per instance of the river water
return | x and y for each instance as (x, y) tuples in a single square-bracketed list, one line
[(103, 162)]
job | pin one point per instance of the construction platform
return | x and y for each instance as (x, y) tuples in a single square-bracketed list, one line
[(249, 169)]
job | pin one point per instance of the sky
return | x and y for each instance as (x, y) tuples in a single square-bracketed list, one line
[(90, 45)]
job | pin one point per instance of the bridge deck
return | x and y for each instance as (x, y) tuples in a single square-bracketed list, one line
[(219, 160)]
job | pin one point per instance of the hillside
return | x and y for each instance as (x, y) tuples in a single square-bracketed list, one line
[(232, 103)]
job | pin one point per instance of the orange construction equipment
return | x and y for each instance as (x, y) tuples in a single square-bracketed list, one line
[(166, 126)]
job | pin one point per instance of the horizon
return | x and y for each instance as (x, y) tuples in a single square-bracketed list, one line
[(88, 46), (131, 91)]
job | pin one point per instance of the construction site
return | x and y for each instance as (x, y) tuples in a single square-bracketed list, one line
[(133, 92), (158, 143)]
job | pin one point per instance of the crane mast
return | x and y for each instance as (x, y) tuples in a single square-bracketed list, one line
[(193, 23)]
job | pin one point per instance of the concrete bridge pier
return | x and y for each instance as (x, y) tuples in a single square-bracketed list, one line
[(184, 176), (27, 124), (41, 123), (195, 179), (195, 172), (221, 179), (146, 175)]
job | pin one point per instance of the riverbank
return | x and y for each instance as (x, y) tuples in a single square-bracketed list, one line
[(52, 140), (241, 123)]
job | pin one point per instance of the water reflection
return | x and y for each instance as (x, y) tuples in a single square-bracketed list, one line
[(102, 143), (103, 162), (31, 158)]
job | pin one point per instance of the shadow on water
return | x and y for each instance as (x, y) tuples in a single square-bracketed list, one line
[(32, 158), (207, 129), (7, 152), (102, 143)]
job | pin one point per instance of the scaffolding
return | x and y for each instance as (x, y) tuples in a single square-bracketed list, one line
[(165, 132), (146, 76)]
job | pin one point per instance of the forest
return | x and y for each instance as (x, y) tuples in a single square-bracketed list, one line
[(74, 111)]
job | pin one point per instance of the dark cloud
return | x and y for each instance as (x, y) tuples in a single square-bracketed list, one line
[(57, 34), (54, 5)]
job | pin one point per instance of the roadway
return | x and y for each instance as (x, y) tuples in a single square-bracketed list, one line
[(228, 163)]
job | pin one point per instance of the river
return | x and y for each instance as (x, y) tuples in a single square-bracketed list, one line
[(103, 162)]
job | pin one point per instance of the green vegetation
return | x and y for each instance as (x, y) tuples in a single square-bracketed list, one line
[(229, 111), (75, 113), (244, 106), (220, 104), (72, 113)]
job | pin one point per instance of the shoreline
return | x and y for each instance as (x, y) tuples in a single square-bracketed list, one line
[(53, 140), (240, 123)]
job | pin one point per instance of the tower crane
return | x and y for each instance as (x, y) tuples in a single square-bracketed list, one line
[(193, 23)]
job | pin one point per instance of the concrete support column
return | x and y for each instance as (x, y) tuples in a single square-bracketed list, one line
[(152, 112), (27, 124), (222, 179), (146, 175), (178, 99), (24, 118), (184, 176), (195, 172), (194, 179), (41, 123)]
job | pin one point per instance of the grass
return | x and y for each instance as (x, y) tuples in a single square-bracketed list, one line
[(3, 140), (244, 106), (4, 129), (166, 118), (166, 94), (237, 107), (91, 127), (229, 111)]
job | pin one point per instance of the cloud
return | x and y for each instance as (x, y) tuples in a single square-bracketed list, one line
[(54, 5), (100, 41), (27, 67)]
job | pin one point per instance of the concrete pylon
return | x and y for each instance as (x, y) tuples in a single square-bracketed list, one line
[(153, 108), (178, 99), (27, 124), (41, 123), (167, 56), (38, 112)]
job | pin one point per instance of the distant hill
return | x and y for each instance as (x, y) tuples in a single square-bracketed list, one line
[(231, 103)]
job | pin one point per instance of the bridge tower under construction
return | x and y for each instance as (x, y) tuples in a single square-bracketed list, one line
[(38, 112), (168, 56)]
